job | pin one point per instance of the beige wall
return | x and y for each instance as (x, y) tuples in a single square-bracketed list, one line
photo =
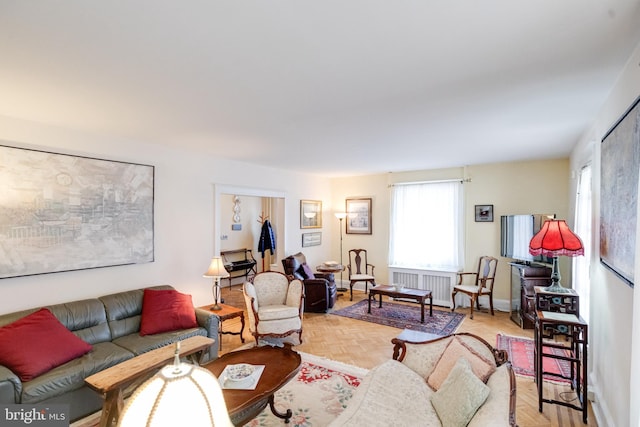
[(513, 188)]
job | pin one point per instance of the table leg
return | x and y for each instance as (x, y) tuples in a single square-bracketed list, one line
[(286, 416), (537, 353), (241, 327), (369, 298), (113, 404), (422, 310), (430, 304)]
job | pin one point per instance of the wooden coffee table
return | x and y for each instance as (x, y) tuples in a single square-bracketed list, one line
[(281, 364), (415, 294)]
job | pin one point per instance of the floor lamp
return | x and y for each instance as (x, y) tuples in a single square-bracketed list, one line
[(341, 216)]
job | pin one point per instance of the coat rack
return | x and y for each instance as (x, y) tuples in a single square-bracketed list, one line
[(262, 218), (267, 239)]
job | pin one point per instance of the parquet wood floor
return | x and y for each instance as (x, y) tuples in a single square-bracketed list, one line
[(367, 344)]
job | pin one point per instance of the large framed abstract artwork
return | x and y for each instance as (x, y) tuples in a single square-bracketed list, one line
[(620, 166), (60, 212)]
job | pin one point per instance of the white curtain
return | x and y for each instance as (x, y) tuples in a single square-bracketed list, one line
[(426, 226), (581, 264)]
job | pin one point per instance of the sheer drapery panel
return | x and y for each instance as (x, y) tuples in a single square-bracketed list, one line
[(426, 226)]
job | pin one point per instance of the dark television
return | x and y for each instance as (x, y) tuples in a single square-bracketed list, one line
[(515, 233)]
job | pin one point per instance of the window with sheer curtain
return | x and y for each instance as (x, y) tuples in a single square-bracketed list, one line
[(426, 226), (581, 264)]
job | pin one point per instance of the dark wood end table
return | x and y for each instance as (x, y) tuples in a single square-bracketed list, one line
[(227, 312), (419, 295), (281, 365)]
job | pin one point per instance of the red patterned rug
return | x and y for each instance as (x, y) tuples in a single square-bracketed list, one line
[(404, 317), (520, 351)]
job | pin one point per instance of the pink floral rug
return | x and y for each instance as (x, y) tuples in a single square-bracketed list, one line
[(316, 396)]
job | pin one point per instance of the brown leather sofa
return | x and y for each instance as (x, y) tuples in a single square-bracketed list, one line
[(320, 291)]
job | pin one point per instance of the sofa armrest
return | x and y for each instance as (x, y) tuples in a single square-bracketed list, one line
[(211, 323), (10, 386), (500, 407)]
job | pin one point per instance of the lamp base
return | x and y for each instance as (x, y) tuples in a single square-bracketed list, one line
[(216, 307)]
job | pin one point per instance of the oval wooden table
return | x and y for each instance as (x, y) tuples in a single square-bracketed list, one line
[(281, 364)]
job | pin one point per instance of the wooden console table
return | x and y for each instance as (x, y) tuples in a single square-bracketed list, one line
[(239, 263), (112, 382)]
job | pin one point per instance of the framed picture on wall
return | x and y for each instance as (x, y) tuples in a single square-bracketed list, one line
[(484, 213), (62, 212), (310, 213), (358, 216), (311, 239), (619, 166)]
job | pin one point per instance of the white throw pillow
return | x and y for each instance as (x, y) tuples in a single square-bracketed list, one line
[(460, 395)]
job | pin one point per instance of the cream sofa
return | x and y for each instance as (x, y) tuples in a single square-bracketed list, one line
[(397, 392)]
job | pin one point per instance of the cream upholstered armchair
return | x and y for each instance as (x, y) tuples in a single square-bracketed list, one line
[(274, 307)]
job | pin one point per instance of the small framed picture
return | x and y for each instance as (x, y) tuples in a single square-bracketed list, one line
[(359, 216), (311, 239), (484, 213), (310, 214)]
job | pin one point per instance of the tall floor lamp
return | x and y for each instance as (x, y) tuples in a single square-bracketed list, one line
[(341, 216)]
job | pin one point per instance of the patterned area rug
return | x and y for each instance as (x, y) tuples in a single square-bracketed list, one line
[(404, 317), (320, 392), (316, 396), (520, 351)]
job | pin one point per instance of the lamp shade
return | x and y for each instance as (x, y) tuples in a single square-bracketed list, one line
[(556, 239), (216, 269), (341, 215), (177, 394)]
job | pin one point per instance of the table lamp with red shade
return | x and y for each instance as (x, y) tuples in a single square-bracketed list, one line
[(556, 239)]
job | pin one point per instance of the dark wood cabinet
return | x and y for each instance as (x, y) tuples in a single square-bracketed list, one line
[(524, 278)]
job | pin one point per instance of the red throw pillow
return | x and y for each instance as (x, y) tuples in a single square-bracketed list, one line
[(38, 343), (166, 310)]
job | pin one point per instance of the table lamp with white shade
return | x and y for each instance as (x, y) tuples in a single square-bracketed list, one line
[(217, 271)]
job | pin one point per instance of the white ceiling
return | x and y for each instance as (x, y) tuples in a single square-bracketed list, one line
[(336, 87)]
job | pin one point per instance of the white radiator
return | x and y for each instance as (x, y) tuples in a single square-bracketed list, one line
[(440, 283)]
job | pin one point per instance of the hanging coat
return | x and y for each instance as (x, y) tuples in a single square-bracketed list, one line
[(267, 238)]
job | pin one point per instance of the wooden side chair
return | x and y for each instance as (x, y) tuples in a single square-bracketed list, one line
[(482, 284), (360, 270)]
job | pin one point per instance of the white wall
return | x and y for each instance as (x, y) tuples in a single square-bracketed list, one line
[(614, 329), (184, 215)]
